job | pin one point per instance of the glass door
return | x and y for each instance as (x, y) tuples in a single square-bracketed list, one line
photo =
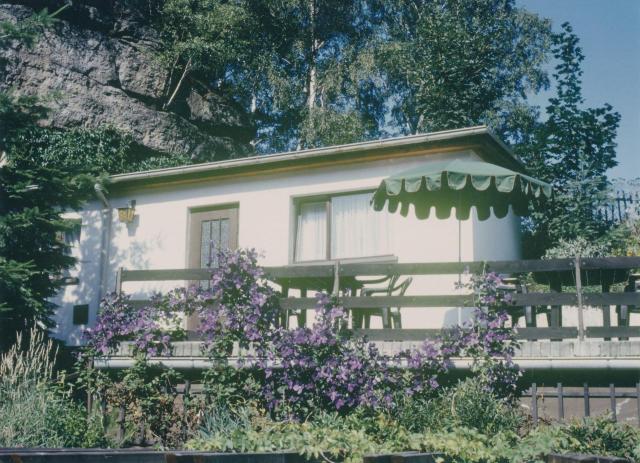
[(209, 230)]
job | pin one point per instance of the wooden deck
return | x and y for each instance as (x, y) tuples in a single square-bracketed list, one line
[(577, 283)]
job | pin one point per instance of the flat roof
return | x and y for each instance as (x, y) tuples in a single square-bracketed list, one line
[(480, 139)]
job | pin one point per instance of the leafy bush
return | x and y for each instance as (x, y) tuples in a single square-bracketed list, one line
[(293, 373), (468, 404), (328, 435), (232, 386), (152, 413), (219, 419), (578, 247), (595, 436), (332, 437), (36, 408), (626, 236), (603, 436)]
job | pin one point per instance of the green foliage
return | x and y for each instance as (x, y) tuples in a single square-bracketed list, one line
[(572, 150), (232, 386), (201, 40), (326, 127), (455, 63), (316, 73), (31, 198), (302, 68), (74, 150), (322, 73), (335, 438), (96, 151), (578, 247), (148, 394), (595, 436), (466, 422), (625, 237), (32, 258), (36, 407), (469, 404), (327, 436), (220, 418), (27, 31)]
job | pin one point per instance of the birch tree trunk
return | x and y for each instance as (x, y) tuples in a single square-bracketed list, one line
[(312, 79)]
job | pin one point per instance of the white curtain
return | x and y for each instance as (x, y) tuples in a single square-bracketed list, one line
[(356, 229), (311, 240)]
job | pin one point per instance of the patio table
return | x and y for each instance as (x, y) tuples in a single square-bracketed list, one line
[(313, 284), (323, 283)]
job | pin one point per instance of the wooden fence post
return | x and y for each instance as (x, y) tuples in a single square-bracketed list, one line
[(119, 281), (606, 310), (284, 315), (638, 401), (560, 403), (185, 395), (579, 295), (612, 397), (103, 409), (587, 408), (336, 278), (534, 402), (120, 434), (555, 317)]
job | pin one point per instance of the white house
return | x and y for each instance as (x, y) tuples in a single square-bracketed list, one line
[(303, 206)]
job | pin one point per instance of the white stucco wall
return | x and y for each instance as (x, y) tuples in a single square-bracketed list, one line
[(158, 237)]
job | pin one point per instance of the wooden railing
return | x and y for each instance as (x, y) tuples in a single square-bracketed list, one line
[(566, 279)]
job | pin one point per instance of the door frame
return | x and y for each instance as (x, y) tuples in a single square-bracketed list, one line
[(197, 214)]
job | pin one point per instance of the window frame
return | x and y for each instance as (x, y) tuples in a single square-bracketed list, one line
[(326, 198), (80, 315), (75, 225)]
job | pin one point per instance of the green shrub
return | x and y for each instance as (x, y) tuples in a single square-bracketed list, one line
[(579, 247), (332, 437), (603, 436), (152, 414), (328, 436), (218, 418), (468, 404), (36, 408), (225, 384), (595, 436)]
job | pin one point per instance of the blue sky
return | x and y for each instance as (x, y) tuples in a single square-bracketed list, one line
[(609, 32)]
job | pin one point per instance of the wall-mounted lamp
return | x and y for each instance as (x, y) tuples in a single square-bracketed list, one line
[(126, 214)]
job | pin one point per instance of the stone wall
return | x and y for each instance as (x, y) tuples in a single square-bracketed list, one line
[(98, 66)]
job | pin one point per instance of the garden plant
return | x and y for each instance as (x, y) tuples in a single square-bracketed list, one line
[(319, 390)]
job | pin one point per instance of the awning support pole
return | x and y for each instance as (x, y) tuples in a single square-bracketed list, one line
[(579, 294)]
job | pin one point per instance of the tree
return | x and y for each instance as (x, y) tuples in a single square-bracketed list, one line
[(458, 63), (201, 41), (32, 196), (573, 150), (323, 86), (304, 69)]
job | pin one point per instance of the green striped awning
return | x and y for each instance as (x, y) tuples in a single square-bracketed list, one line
[(460, 184)]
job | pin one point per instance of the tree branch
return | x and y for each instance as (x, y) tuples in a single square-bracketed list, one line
[(187, 67)]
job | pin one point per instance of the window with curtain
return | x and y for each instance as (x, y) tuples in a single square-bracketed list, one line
[(354, 229)]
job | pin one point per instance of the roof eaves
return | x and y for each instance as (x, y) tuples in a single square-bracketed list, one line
[(263, 161)]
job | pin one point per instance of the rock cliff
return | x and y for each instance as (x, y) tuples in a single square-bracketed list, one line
[(96, 66)]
